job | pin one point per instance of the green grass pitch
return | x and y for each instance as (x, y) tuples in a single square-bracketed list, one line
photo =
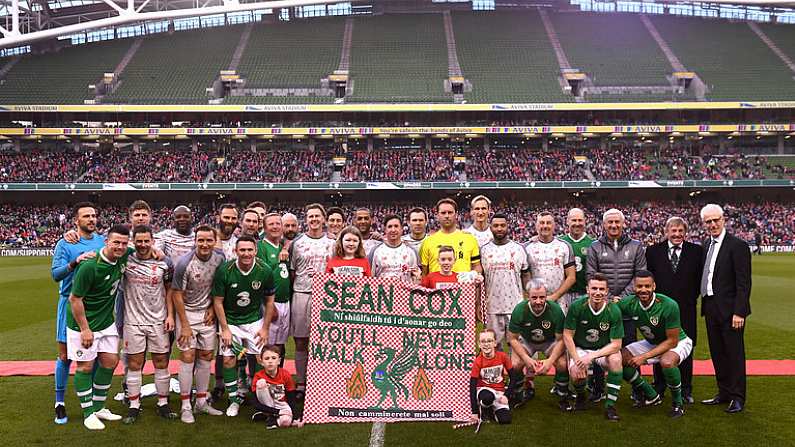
[(27, 328)]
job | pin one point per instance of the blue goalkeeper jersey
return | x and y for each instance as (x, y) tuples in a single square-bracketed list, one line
[(66, 253)]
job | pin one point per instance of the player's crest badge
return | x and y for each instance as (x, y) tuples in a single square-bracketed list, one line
[(546, 324), (654, 320), (256, 285), (604, 325), (584, 251)]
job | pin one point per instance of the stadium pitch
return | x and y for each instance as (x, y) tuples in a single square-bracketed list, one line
[(26, 333)]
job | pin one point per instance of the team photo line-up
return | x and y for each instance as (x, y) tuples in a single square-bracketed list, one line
[(228, 297)]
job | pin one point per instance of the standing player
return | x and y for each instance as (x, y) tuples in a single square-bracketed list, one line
[(91, 334), (504, 261), (227, 224), (269, 250), (592, 332), (148, 319), (249, 225), (465, 246), (364, 223), (309, 253), (480, 207), (261, 210), (196, 333), (537, 326), (394, 258), (579, 241), (665, 342), (176, 242), (65, 260), (290, 226), (418, 226), (240, 290), (551, 260)]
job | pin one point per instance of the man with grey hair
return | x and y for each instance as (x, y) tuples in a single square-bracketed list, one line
[(676, 265), (725, 303), (536, 325), (618, 257)]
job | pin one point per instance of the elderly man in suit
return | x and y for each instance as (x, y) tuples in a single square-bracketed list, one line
[(676, 265), (725, 294)]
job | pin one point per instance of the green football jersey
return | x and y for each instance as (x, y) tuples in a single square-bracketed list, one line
[(243, 293), (594, 330), (96, 281), (534, 328), (580, 260), (281, 275), (662, 314)]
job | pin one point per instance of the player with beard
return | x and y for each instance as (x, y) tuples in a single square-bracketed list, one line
[(418, 227), (363, 221), (480, 208), (504, 262), (290, 226), (65, 260), (227, 224), (394, 258)]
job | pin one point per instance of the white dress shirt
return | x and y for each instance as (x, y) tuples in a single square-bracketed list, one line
[(718, 241)]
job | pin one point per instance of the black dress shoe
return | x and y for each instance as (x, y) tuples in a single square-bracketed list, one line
[(688, 399), (714, 401), (734, 407)]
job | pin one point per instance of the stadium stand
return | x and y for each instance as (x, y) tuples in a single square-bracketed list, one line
[(43, 225), (176, 68), (61, 77), (275, 166), (522, 165), (399, 165), (733, 62), (399, 58), (507, 58), (149, 166)]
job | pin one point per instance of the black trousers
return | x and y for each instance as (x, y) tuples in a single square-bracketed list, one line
[(727, 349)]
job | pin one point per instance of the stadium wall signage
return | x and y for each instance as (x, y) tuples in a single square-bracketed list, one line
[(417, 107), (392, 131), (384, 350), (26, 252)]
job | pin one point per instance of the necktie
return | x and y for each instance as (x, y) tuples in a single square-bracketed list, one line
[(674, 257), (705, 273)]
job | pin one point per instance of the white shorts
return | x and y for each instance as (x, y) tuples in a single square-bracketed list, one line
[(300, 314), (152, 338), (533, 348), (682, 349), (280, 328), (497, 395), (245, 337), (499, 324), (204, 337), (601, 361), (106, 340)]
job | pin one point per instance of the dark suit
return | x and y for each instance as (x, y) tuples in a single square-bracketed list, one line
[(731, 294), (683, 286)]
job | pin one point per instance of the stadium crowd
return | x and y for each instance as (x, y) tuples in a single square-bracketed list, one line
[(149, 166), (274, 166), (33, 226), (400, 165), (521, 165)]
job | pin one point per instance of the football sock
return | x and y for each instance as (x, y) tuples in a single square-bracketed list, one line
[(637, 381), (185, 377), (61, 378), (301, 358), (674, 380), (134, 379), (613, 388), (219, 371), (84, 392), (202, 381), (162, 382), (102, 379), (230, 380), (562, 382)]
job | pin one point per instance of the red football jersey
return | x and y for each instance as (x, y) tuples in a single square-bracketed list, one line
[(436, 280), (348, 267), (277, 386), (491, 372)]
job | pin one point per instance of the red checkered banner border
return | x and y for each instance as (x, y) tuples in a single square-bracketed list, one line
[(385, 350)]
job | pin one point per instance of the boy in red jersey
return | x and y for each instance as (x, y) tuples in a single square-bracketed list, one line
[(446, 276), (276, 402), (487, 390)]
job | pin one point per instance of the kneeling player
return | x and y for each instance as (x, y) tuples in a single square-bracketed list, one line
[(148, 318), (276, 402), (487, 381), (536, 325), (240, 288), (592, 332), (664, 340)]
